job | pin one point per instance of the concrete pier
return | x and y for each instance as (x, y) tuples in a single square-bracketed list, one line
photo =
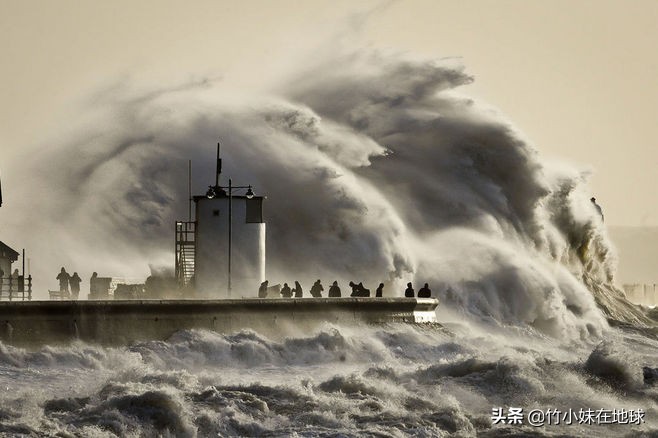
[(36, 323)]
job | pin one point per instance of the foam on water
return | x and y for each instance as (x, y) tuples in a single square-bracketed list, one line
[(393, 380)]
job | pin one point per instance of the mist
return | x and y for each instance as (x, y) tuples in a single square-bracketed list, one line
[(375, 167)]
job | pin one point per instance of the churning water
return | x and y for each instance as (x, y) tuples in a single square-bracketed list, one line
[(393, 380)]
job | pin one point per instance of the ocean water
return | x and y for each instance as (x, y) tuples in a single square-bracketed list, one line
[(389, 380), (376, 167)]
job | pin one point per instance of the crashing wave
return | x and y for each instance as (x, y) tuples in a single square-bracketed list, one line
[(375, 169)]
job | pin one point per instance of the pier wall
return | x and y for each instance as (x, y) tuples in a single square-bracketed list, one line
[(36, 323)]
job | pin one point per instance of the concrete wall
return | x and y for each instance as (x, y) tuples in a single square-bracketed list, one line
[(247, 254), (36, 323)]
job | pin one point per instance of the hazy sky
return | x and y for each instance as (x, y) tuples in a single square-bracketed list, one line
[(579, 78)]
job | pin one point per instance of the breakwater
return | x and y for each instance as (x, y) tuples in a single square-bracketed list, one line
[(38, 323)]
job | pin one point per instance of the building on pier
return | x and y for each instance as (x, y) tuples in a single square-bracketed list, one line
[(221, 253)]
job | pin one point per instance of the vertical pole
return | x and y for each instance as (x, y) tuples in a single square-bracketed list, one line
[(176, 254), (218, 168), (189, 190), (230, 231), (22, 288)]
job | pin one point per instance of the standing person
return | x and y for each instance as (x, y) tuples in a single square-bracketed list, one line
[(380, 291), (358, 290), (298, 290), (334, 290), (316, 290), (409, 292), (598, 208), (14, 280), (262, 290), (74, 281), (425, 292), (93, 287), (63, 278), (286, 292)]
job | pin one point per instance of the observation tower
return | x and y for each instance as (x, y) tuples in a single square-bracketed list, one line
[(221, 254)]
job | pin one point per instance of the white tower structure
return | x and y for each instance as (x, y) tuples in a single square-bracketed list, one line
[(230, 245), (229, 242)]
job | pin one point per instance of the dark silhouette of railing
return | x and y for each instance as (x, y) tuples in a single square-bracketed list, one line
[(16, 288), (185, 252)]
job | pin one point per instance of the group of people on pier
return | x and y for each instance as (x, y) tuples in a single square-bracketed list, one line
[(424, 292), (69, 285), (358, 290), (67, 280)]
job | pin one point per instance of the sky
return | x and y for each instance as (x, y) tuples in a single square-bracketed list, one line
[(578, 78)]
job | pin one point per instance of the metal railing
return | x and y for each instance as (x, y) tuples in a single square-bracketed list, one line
[(185, 252), (16, 288)]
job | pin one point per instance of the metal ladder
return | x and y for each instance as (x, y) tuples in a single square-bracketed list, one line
[(185, 252)]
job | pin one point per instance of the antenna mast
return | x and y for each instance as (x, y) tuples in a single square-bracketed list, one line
[(189, 190), (219, 167)]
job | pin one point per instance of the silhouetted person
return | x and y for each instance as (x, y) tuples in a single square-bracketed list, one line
[(380, 291), (409, 292), (14, 280), (598, 208), (262, 290), (93, 287), (63, 278), (298, 290), (74, 281), (425, 292), (334, 290), (316, 290), (358, 290), (286, 292)]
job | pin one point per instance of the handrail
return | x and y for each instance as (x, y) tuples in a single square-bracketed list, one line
[(16, 288)]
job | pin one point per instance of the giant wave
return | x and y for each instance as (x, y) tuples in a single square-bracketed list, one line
[(375, 169)]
